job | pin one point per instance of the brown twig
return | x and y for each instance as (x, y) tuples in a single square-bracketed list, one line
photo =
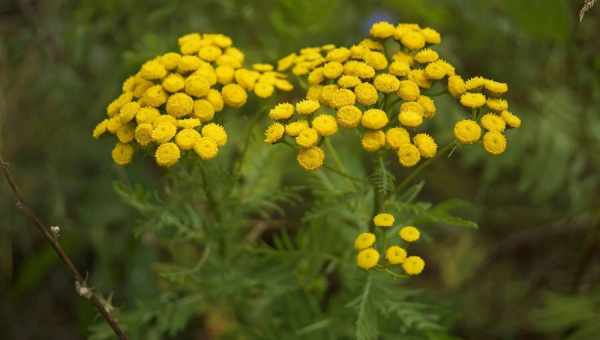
[(587, 5), (51, 235)]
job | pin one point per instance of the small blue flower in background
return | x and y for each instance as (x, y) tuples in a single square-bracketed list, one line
[(376, 16)]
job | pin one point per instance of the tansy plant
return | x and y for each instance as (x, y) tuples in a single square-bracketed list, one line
[(233, 255)]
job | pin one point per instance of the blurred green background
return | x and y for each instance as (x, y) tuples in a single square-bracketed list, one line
[(532, 271)]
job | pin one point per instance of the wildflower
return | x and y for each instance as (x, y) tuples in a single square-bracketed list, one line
[(413, 40), (206, 148), (431, 36), (316, 77), (122, 154), (426, 145), (225, 74), (170, 60), (349, 116), (311, 158), (382, 30), (413, 265), (373, 140), (342, 97), (376, 60), (314, 93), (281, 111), (147, 115), (325, 125), (340, 54), (511, 120), (128, 112), (366, 94), (426, 56), (497, 104), (435, 71), (409, 234), (472, 100), (395, 255), (412, 106), (364, 241), (327, 93), (494, 142), (188, 123), (408, 155), (399, 68), (467, 131), (307, 106), (179, 105), (286, 62), (493, 122), (216, 132), (293, 129), (274, 133), (428, 106), (396, 137), (333, 69), (410, 118), (456, 86), (408, 90), (143, 133), (186, 138), (367, 258), (383, 220), (114, 124), (307, 138), (475, 83), (100, 129), (374, 119), (203, 110), (496, 87), (347, 81), (420, 78), (188, 63), (173, 83), (163, 132), (125, 133), (234, 95), (153, 70), (386, 83), (164, 119)]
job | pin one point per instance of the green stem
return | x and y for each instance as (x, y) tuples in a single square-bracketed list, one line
[(343, 174)]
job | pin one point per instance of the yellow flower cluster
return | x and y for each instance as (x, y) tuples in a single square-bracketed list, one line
[(383, 86), (368, 257), (168, 106)]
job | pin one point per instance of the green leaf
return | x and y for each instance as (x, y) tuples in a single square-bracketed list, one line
[(442, 213)]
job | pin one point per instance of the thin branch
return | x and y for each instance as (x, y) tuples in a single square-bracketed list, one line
[(51, 235), (587, 5)]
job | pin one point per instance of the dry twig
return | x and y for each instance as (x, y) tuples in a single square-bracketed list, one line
[(587, 5), (51, 235)]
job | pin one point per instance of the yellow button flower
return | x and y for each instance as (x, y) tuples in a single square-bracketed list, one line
[(396, 137), (186, 138), (206, 148), (196, 86), (224, 74), (426, 145), (386, 83), (170, 60), (333, 69), (342, 97), (286, 62), (456, 86), (274, 133), (307, 137), (366, 94), (373, 140), (281, 111), (154, 96), (413, 265), (399, 68), (494, 142), (307, 106), (395, 255), (367, 258), (467, 131), (293, 129), (412, 106), (410, 118), (493, 122), (188, 123), (163, 132), (314, 92), (100, 129), (125, 134), (364, 241), (348, 82), (216, 132), (374, 119), (435, 71), (173, 83), (426, 56), (325, 125), (316, 77), (122, 154), (311, 158), (179, 105), (165, 119), (498, 105), (408, 155), (475, 83), (327, 93), (234, 95), (349, 116), (511, 120), (408, 90), (383, 220), (167, 154), (114, 107), (420, 78), (128, 112), (472, 100), (409, 234), (376, 60), (143, 133), (147, 115), (114, 124), (152, 70), (263, 89), (210, 53), (188, 63), (496, 87), (413, 40), (382, 30), (431, 36)]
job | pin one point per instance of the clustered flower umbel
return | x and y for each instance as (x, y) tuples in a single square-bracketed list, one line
[(168, 106), (368, 256), (353, 87)]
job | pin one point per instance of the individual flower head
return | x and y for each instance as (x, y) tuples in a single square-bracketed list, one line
[(325, 125), (281, 111), (511, 120), (364, 241), (167, 154), (349, 116), (467, 131), (122, 154), (215, 132), (493, 122), (426, 145), (395, 255), (374, 119), (409, 234), (413, 265), (383, 220), (274, 133), (307, 137), (494, 142), (206, 148), (408, 155), (367, 258), (373, 140), (311, 158), (382, 30), (397, 136)]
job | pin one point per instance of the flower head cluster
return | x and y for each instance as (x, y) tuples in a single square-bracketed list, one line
[(169, 105), (384, 86), (368, 256)]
